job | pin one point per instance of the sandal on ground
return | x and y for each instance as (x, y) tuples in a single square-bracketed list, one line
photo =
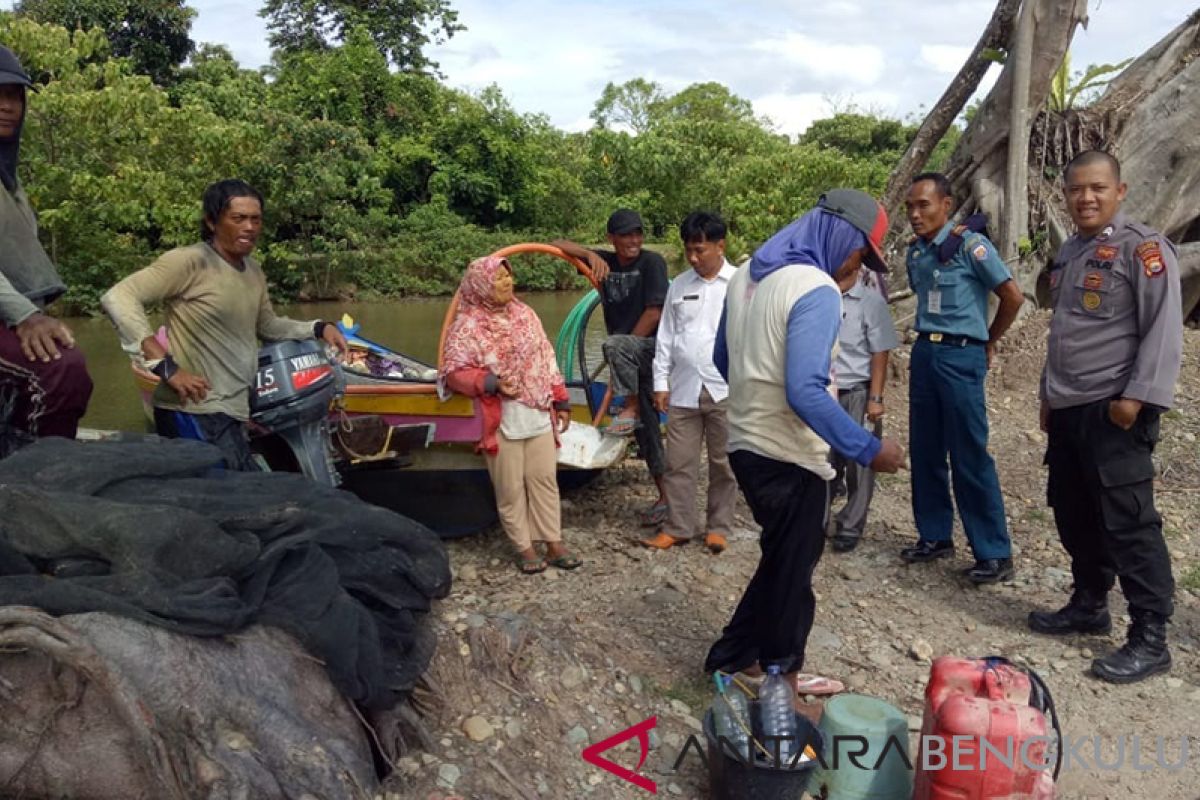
[(565, 561), (806, 683), (622, 426), (818, 685), (662, 541), (530, 566), (715, 542), (655, 514)]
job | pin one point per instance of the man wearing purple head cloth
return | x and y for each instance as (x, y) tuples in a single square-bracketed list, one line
[(775, 346)]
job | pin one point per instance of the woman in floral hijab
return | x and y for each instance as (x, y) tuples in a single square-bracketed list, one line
[(497, 351)]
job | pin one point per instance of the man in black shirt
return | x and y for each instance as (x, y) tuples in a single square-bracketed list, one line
[(633, 287)]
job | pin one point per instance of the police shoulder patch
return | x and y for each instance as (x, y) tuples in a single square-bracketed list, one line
[(1150, 254), (980, 251)]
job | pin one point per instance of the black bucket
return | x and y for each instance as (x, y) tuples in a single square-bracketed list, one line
[(731, 776)]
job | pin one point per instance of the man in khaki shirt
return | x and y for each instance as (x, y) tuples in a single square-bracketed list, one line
[(217, 309)]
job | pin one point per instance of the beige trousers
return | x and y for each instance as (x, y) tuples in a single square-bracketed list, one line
[(687, 430), (524, 474)]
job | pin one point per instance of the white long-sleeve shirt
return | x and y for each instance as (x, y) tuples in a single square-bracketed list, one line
[(683, 363)]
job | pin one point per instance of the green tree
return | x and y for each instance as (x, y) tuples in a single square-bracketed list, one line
[(153, 34), (213, 81), (400, 28), (630, 104), (860, 135)]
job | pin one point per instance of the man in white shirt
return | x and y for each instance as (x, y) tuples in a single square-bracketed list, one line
[(866, 337), (689, 389)]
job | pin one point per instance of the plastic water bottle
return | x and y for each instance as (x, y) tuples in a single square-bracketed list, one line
[(731, 715), (776, 704)]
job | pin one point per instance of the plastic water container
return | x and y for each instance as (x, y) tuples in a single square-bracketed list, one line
[(883, 772), (731, 716), (776, 701)]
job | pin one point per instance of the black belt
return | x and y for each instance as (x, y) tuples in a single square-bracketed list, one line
[(950, 341)]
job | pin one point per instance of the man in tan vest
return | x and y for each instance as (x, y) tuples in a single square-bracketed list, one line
[(775, 346)]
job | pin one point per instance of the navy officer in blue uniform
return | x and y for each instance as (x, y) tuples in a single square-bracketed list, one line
[(953, 270), (1115, 347)]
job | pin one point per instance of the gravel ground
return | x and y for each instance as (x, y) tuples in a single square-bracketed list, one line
[(533, 669)]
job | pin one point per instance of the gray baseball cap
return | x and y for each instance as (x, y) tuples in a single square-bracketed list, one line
[(863, 212), (624, 220)]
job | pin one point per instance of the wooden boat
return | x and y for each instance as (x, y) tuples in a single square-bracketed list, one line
[(441, 481)]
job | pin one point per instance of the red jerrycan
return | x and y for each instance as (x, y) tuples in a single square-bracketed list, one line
[(985, 733)]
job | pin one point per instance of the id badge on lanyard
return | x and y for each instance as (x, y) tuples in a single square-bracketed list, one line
[(933, 301)]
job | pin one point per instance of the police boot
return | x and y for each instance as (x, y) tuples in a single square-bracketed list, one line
[(1144, 653), (1086, 612)]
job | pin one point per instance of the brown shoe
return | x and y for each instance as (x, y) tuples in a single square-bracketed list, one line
[(662, 541), (715, 542)]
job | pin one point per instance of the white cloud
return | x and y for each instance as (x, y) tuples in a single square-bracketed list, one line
[(946, 59), (860, 63), (792, 113)]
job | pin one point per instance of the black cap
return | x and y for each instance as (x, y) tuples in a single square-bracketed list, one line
[(863, 212), (624, 220), (11, 70)]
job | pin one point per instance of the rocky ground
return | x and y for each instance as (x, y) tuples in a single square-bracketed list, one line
[(531, 670)]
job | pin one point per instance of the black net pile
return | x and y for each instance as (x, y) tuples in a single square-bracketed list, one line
[(149, 531)]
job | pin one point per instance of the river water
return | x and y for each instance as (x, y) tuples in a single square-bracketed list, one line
[(411, 326)]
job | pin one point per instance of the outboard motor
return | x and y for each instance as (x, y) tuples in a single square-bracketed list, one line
[(291, 395)]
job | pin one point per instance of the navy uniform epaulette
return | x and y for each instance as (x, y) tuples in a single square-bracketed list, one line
[(976, 223)]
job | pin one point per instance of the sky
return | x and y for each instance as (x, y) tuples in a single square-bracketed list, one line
[(795, 60)]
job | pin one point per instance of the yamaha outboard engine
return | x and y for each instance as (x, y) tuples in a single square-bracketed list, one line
[(291, 395)]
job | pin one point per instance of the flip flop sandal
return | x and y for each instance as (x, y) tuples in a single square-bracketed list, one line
[(530, 566), (818, 685), (622, 426), (565, 561), (654, 515)]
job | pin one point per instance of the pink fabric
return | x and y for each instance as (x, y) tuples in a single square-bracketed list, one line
[(507, 340)]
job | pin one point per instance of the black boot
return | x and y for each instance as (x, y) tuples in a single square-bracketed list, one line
[(1085, 613), (1144, 653)]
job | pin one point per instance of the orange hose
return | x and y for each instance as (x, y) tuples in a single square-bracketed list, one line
[(505, 252)]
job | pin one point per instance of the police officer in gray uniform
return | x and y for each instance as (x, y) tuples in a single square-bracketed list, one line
[(1116, 340)]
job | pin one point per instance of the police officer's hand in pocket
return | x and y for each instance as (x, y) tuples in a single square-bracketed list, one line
[(1124, 412), (890, 457)]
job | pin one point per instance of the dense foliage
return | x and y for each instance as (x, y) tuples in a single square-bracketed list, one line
[(386, 181)]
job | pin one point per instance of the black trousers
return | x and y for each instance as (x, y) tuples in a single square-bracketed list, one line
[(1101, 487), (224, 431), (773, 619)]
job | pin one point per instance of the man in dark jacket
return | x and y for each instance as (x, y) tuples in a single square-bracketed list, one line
[(44, 383)]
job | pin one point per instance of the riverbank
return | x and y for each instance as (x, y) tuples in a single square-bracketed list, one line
[(531, 670)]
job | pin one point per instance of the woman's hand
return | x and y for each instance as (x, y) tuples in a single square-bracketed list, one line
[(564, 419)]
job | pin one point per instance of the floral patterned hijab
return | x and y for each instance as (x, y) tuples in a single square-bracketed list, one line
[(506, 339)]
